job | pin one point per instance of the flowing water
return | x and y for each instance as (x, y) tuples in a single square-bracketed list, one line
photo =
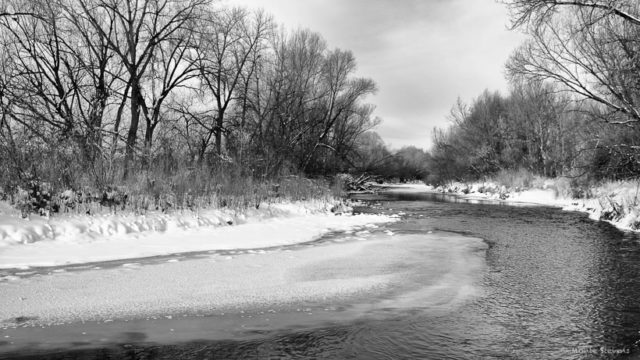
[(458, 280)]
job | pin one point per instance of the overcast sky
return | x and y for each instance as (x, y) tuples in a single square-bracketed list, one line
[(422, 54)]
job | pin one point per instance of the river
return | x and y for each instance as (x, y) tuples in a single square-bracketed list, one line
[(463, 279)]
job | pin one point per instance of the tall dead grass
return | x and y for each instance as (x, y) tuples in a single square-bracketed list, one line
[(165, 184)]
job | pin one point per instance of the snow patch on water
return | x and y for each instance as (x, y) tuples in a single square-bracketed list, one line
[(404, 271)]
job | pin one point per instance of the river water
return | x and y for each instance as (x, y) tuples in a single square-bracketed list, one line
[(467, 280)]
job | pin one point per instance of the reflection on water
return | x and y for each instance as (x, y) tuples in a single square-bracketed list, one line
[(558, 285)]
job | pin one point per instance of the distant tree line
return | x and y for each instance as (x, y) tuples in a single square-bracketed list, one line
[(94, 91), (574, 104), (409, 163)]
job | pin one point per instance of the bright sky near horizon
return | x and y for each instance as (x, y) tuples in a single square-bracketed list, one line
[(423, 54)]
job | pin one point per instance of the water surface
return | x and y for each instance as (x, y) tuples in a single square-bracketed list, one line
[(551, 284)]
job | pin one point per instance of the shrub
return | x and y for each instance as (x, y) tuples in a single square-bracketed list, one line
[(35, 197), (520, 178)]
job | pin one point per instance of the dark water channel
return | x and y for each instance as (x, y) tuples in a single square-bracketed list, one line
[(557, 286)]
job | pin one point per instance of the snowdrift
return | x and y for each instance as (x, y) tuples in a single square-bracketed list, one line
[(75, 239)]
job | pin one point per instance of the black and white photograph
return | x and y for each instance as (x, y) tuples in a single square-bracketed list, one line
[(319, 179)]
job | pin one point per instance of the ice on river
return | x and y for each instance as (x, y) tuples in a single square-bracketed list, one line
[(412, 270)]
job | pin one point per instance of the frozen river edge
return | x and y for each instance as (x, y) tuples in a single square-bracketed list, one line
[(358, 262)]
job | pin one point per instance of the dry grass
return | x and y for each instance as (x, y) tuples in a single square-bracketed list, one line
[(167, 187), (518, 179), (624, 194), (564, 187)]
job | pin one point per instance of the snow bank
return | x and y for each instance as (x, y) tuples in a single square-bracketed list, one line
[(615, 202), (80, 239), (417, 187)]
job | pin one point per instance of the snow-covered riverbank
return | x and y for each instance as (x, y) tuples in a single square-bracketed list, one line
[(362, 263), (73, 239), (614, 202)]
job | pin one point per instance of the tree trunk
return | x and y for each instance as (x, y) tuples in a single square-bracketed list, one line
[(133, 129), (218, 132)]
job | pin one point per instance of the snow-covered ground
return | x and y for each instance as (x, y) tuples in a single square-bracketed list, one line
[(72, 239)]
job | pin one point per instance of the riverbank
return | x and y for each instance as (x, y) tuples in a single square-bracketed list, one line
[(74, 239), (616, 202)]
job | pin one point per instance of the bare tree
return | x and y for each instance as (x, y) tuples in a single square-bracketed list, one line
[(534, 12), (304, 102), (291, 96), (342, 94), (590, 47), (173, 67), (140, 27), (61, 79), (226, 53), (537, 115), (8, 10)]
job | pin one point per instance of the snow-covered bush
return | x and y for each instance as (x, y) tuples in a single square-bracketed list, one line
[(35, 197)]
